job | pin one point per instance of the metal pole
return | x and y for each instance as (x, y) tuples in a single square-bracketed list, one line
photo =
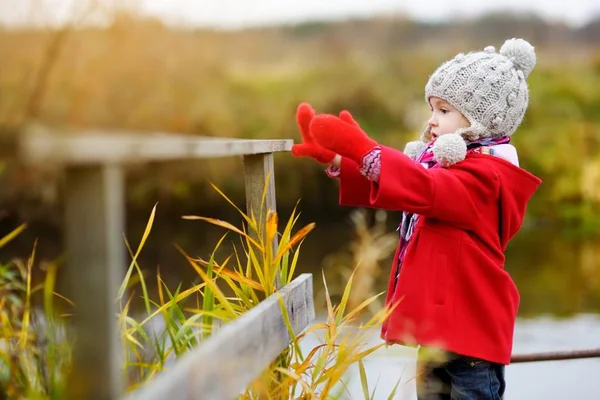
[(555, 355)]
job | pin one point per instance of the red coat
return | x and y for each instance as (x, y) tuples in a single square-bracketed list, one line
[(453, 291)]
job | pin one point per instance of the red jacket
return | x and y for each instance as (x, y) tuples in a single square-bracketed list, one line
[(453, 291)]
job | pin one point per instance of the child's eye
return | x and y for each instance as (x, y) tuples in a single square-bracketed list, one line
[(444, 111)]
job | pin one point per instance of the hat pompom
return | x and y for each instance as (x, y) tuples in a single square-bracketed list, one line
[(521, 53), (449, 149), (414, 148)]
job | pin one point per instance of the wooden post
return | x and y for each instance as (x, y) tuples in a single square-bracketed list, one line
[(257, 168), (94, 218)]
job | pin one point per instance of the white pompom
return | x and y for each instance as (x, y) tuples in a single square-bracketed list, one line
[(449, 149), (521, 53), (414, 148)]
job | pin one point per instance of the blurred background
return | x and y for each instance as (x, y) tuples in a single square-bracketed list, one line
[(239, 69)]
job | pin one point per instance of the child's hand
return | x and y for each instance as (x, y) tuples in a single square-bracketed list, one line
[(309, 148), (341, 135)]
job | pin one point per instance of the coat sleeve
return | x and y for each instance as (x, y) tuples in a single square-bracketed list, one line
[(355, 188), (457, 195)]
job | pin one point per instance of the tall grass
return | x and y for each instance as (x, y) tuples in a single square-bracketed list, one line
[(175, 320), (372, 244), (33, 353)]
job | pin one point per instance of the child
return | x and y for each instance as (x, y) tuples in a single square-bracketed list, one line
[(462, 201)]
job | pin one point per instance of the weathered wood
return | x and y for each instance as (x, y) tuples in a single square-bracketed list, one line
[(91, 147), (95, 267), (94, 216), (259, 171), (223, 366)]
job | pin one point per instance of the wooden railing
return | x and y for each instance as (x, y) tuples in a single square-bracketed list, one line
[(94, 224)]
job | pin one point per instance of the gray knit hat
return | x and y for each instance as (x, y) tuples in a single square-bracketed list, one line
[(489, 88)]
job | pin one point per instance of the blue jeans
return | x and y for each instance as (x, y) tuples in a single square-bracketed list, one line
[(459, 378)]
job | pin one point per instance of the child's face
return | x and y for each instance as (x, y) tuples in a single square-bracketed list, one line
[(444, 118)]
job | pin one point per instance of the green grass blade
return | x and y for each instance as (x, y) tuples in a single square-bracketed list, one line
[(7, 238), (27, 309), (137, 253), (344, 301), (208, 303), (394, 390), (141, 278), (186, 327), (363, 379), (294, 263), (248, 219)]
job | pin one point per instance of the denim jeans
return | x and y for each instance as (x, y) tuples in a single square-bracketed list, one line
[(459, 378)]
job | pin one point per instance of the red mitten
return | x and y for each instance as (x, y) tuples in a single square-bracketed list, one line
[(308, 147), (347, 117), (342, 136)]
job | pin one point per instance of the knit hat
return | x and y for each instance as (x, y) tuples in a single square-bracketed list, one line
[(489, 88)]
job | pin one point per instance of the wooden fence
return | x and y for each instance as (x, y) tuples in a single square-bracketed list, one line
[(94, 221)]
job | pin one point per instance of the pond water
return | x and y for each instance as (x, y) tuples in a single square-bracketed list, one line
[(548, 380)]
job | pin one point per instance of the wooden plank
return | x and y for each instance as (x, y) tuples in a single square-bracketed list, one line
[(95, 267), (259, 171), (225, 364), (125, 147)]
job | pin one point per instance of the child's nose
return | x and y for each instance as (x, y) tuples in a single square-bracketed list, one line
[(432, 121)]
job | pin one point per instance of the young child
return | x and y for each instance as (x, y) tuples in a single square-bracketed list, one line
[(462, 200)]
